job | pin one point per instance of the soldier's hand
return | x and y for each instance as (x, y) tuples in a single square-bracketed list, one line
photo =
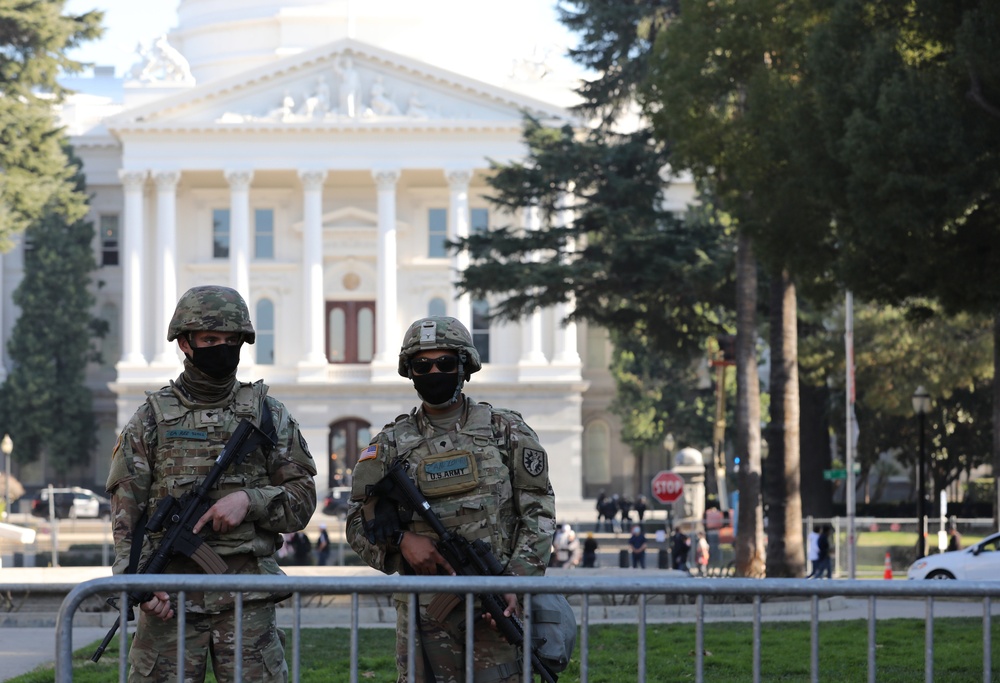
[(511, 609), (227, 513), (422, 554), (158, 606)]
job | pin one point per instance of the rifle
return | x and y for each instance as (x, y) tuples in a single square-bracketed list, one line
[(179, 516), (467, 558)]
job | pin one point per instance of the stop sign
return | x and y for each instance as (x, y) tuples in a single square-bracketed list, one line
[(667, 486)]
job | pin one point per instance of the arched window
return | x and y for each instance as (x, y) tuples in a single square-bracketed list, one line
[(347, 439), (437, 307), (264, 325), (596, 457)]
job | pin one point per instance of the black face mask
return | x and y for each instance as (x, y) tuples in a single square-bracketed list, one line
[(217, 361), (437, 389)]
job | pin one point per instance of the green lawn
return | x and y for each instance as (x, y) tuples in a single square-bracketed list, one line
[(670, 654)]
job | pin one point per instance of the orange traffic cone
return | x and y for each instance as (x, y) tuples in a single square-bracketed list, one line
[(888, 567)]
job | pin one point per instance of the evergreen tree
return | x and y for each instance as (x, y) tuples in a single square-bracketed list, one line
[(46, 404), (43, 403), (35, 37)]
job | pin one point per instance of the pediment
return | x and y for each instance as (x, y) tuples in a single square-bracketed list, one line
[(341, 84), (348, 219)]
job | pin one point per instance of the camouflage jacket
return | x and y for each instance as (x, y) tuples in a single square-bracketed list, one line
[(504, 497), (169, 446)]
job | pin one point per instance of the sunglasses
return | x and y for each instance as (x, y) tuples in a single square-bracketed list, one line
[(446, 364)]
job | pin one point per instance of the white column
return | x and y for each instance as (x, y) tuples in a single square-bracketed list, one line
[(531, 326), (386, 334), (565, 350), (458, 228), (312, 267), (132, 263), (239, 231), (166, 249)]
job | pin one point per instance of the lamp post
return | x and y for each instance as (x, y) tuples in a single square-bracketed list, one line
[(7, 446), (921, 406)]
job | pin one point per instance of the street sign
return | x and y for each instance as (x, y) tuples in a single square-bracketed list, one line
[(667, 486), (830, 475)]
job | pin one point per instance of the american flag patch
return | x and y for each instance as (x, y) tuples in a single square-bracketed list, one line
[(370, 452)]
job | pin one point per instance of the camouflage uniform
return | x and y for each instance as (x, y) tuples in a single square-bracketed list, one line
[(168, 447), (502, 496)]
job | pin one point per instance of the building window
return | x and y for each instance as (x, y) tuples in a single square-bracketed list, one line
[(350, 331), (220, 233), (264, 323), (348, 438), (479, 221), (481, 328), (437, 233), (108, 225), (263, 223), (437, 307)]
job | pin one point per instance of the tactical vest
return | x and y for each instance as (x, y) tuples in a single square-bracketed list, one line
[(189, 439), (465, 477)]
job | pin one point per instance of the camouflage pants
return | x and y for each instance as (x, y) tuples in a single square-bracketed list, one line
[(443, 644), (153, 654)]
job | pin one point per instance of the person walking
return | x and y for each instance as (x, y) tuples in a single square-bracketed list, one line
[(167, 448), (497, 490), (322, 546), (567, 548), (637, 541)]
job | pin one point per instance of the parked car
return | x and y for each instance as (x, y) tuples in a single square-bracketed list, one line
[(336, 501), (73, 502), (979, 562)]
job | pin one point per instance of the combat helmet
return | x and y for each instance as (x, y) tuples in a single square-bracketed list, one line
[(439, 332), (211, 307)]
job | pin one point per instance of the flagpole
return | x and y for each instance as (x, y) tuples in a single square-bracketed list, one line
[(850, 432)]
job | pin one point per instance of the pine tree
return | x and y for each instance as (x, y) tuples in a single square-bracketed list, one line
[(44, 404)]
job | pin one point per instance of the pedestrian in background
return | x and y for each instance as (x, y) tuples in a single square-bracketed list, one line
[(638, 543), (590, 552), (322, 546), (640, 507), (812, 548), (823, 564), (680, 547), (701, 554)]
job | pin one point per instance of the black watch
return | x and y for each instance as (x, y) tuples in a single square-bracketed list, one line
[(397, 540)]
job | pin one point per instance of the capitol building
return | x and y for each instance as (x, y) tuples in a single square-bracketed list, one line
[(316, 156)]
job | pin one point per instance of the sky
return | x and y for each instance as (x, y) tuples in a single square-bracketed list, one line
[(482, 34)]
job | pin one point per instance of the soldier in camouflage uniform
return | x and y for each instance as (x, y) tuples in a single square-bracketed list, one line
[(168, 447), (484, 474)]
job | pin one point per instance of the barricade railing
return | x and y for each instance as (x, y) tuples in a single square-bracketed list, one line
[(643, 586)]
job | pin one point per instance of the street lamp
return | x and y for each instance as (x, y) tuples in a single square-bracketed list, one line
[(921, 406), (7, 446)]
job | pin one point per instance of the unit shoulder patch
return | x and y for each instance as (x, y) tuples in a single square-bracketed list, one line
[(533, 461)]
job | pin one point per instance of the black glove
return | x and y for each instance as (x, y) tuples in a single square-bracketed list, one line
[(381, 520)]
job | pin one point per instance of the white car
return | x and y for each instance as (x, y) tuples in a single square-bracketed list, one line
[(979, 562)]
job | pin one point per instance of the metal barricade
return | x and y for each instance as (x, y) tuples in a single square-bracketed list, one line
[(642, 586)]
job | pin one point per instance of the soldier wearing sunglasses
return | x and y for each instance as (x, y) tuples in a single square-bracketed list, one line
[(485, 475)]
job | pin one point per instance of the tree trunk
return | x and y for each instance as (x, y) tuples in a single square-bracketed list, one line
[(784, 518), (750, 529)]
